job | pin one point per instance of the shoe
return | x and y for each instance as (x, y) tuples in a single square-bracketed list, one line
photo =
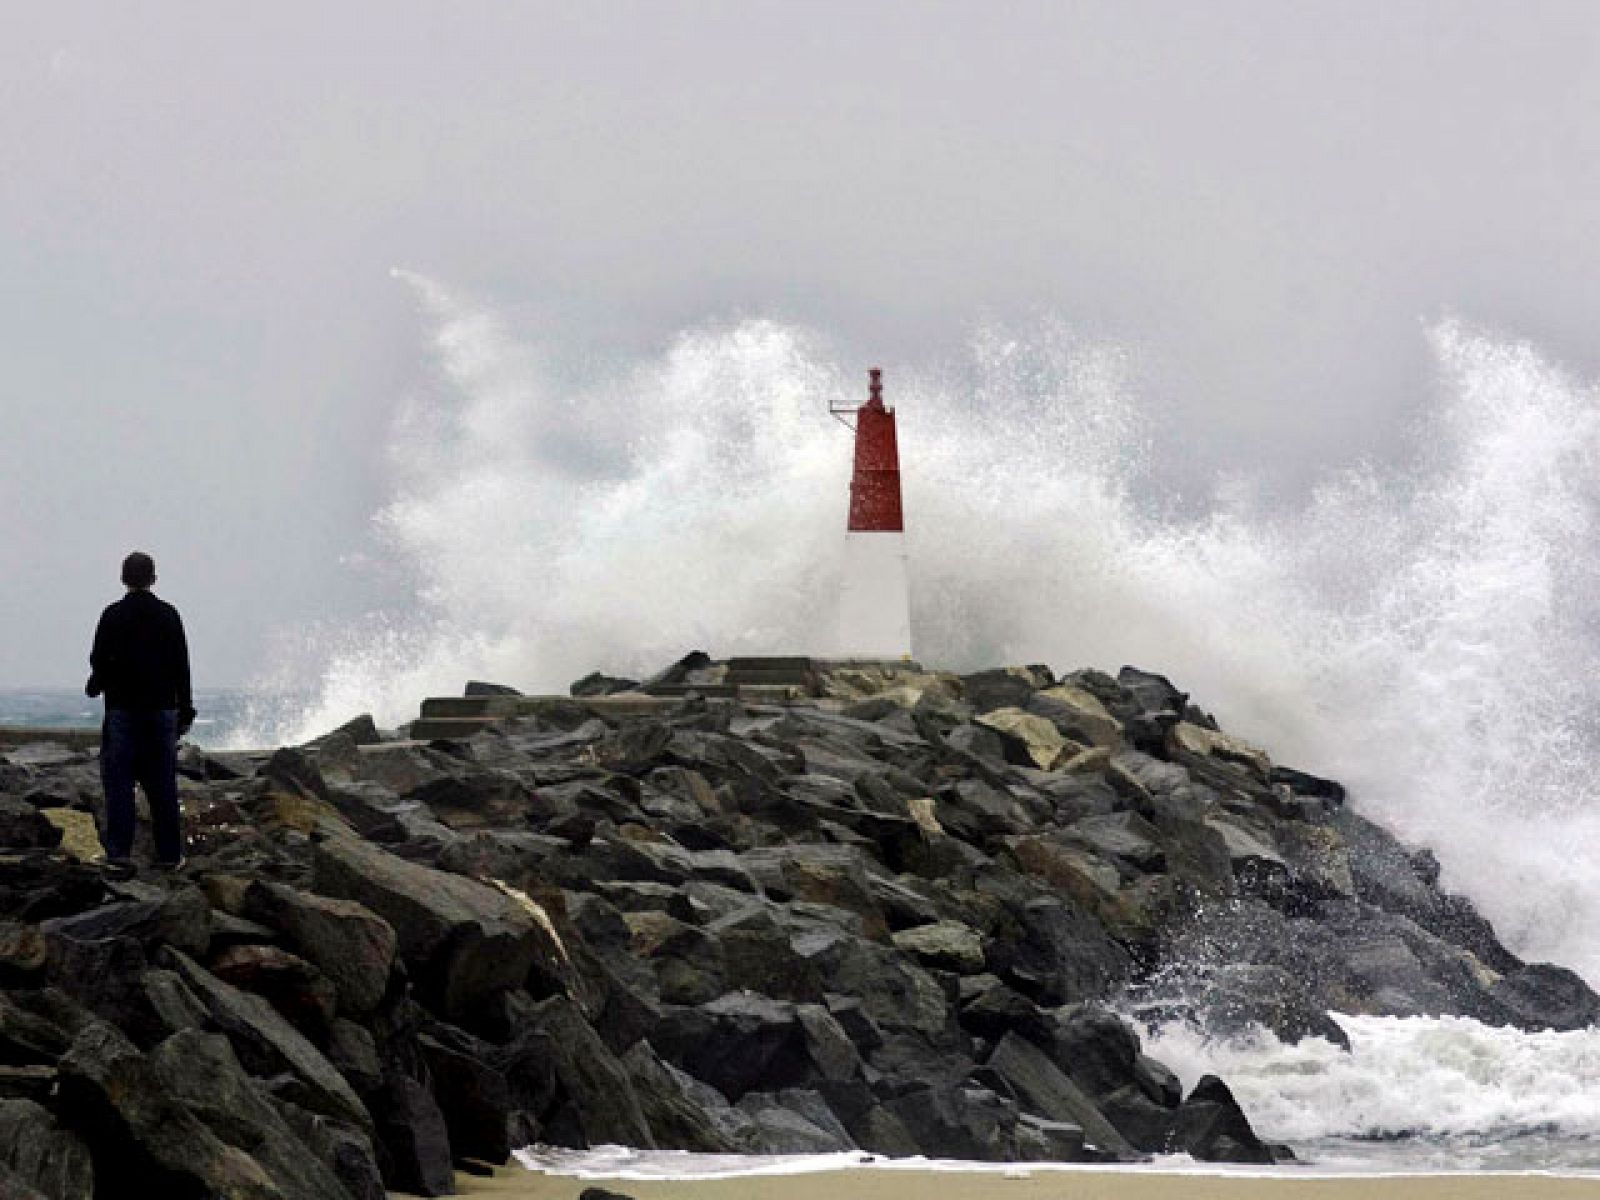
[(119, 868), (183, 861)]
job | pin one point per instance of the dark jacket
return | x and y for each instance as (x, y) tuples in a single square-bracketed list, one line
[(140, 657)]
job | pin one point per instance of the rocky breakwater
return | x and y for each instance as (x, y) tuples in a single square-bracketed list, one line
[(907, 914)]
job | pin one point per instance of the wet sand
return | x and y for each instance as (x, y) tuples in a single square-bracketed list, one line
[(518, 1184)]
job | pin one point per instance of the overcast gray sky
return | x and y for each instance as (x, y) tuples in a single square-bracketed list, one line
[(201, 343)]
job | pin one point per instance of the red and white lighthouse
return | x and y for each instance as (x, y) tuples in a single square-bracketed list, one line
[(874, 602)]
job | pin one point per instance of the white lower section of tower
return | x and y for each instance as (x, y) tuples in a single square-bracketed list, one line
[(874, 601)]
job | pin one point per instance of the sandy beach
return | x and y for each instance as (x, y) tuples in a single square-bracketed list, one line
[(1041, 1185)]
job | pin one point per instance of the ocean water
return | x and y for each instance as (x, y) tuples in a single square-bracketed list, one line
[(228, 717), (1427, 631)]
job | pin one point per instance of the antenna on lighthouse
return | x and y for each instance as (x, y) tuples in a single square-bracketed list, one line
[(874, 600)]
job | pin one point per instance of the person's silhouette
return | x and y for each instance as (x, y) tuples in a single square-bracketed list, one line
[(140, 661)]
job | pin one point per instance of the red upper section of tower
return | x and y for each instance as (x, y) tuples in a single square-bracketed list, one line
[(875, 486)]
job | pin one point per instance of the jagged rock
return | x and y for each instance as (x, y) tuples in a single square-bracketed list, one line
[(477, 687), (1329, 794), (894, 994), (180, 918), (1394, 879), (1007, 687), (684, 1113), (617, 990), (1096, 1047), (958, 1121), (974, 810), (946, 945), (1063, 955), (348, 942), (36, 1083), (692, 668), (1029, 740), (475, 799), (472, 1094), (835, 875), (362, 731), (1092, 882), (15, 777), (795, 1121), (1543, 996), (53, 791), (343, 1149), (1148, 707), (596, 1083), (415, 1139), (303, 994), (22, 826), (23, 952), (1078, 714), (267, 1044), (463, 941), (80, 837), (1210, 743), (833, 1055), (756, 952), (41, 754), (1041, 1140), (1042, 1088), (1123, 836), (36, 1150), (991, 1009), (201, 1071), (143, 1139), (104, 974), (1379, 973), (1157, 1081), (597, 684), (354, 1052), (1210, 1126), (738, 1043), (977, 740), (176, 1007), (37, 1026)]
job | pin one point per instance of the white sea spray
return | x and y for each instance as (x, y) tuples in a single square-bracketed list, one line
[(1448, 1090), (1426, 634)]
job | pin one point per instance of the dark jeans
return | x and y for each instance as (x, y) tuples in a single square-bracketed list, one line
[(141, 746)]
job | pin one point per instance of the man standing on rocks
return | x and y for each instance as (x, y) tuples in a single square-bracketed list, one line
[(140, 661)]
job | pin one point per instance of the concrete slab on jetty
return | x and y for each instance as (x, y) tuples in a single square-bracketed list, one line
[(463, 716), (767, 679)]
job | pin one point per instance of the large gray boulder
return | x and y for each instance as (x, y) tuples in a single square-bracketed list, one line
[(202, 1072), (415, 1138), (53, 1160), (464, 941), (145, 1141), (154, 916), (269, 1045), (348, 942), (738, 1043), (1041, 1087), (684, 1113), (597, 1085)]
